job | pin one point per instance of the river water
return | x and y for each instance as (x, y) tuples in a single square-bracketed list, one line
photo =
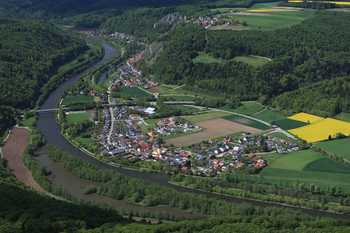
[(50, 129)]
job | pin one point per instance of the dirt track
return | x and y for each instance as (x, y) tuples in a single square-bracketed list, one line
[(212, 129), (13, 152)]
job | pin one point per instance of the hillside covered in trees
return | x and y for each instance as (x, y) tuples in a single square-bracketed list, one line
[(311, 52), (69, 7), (30, 52)]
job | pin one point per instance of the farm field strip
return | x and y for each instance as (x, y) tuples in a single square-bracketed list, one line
[(322, 130), (306, 117), (340, 147), (206, 116), (324, 179), (295, 161)]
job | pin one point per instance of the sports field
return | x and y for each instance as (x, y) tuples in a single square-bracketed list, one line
[(77, 117), (77, 100), (322, 130)]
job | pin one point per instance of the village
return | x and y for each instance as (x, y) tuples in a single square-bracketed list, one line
[(123, 137)]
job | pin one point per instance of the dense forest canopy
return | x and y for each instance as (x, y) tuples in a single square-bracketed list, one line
[(29, 53), (69, 7), (316, 50)]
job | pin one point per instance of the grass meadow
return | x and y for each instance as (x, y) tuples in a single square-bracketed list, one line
[(78, 117), (78, 99), (340, 147), (307, 167)]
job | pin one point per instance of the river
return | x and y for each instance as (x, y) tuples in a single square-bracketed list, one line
[(51, 131)]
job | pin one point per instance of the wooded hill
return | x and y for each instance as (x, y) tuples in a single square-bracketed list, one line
[(316, 50), (30, 52), (60, 8)]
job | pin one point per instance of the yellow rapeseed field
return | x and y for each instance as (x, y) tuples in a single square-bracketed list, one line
[(305, 117), (335, 2), (322, 129)]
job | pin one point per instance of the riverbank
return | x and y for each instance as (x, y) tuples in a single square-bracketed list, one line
[(13, 152), (78, 188)]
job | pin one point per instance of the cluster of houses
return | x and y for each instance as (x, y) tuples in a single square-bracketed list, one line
[(210, 21), (174, 125), (245, 152), (122, 136), (122, 36)]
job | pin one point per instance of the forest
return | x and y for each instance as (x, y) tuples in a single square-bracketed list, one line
[(30, 52), (300, 57), (46, 8)]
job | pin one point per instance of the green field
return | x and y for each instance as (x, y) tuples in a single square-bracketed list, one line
[(322, 179), (132, 92), (78, 117), (206, 58), (340, 147), (78, 100), (273, 20), (246, 121), (88, 143), (206, 116), (288, 124), (307, 167), (254, 61), (29, 122), (344, 116), (269, 115), (265, 5), (327, 165), (248, 107), (178, 97), (295, 161)]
